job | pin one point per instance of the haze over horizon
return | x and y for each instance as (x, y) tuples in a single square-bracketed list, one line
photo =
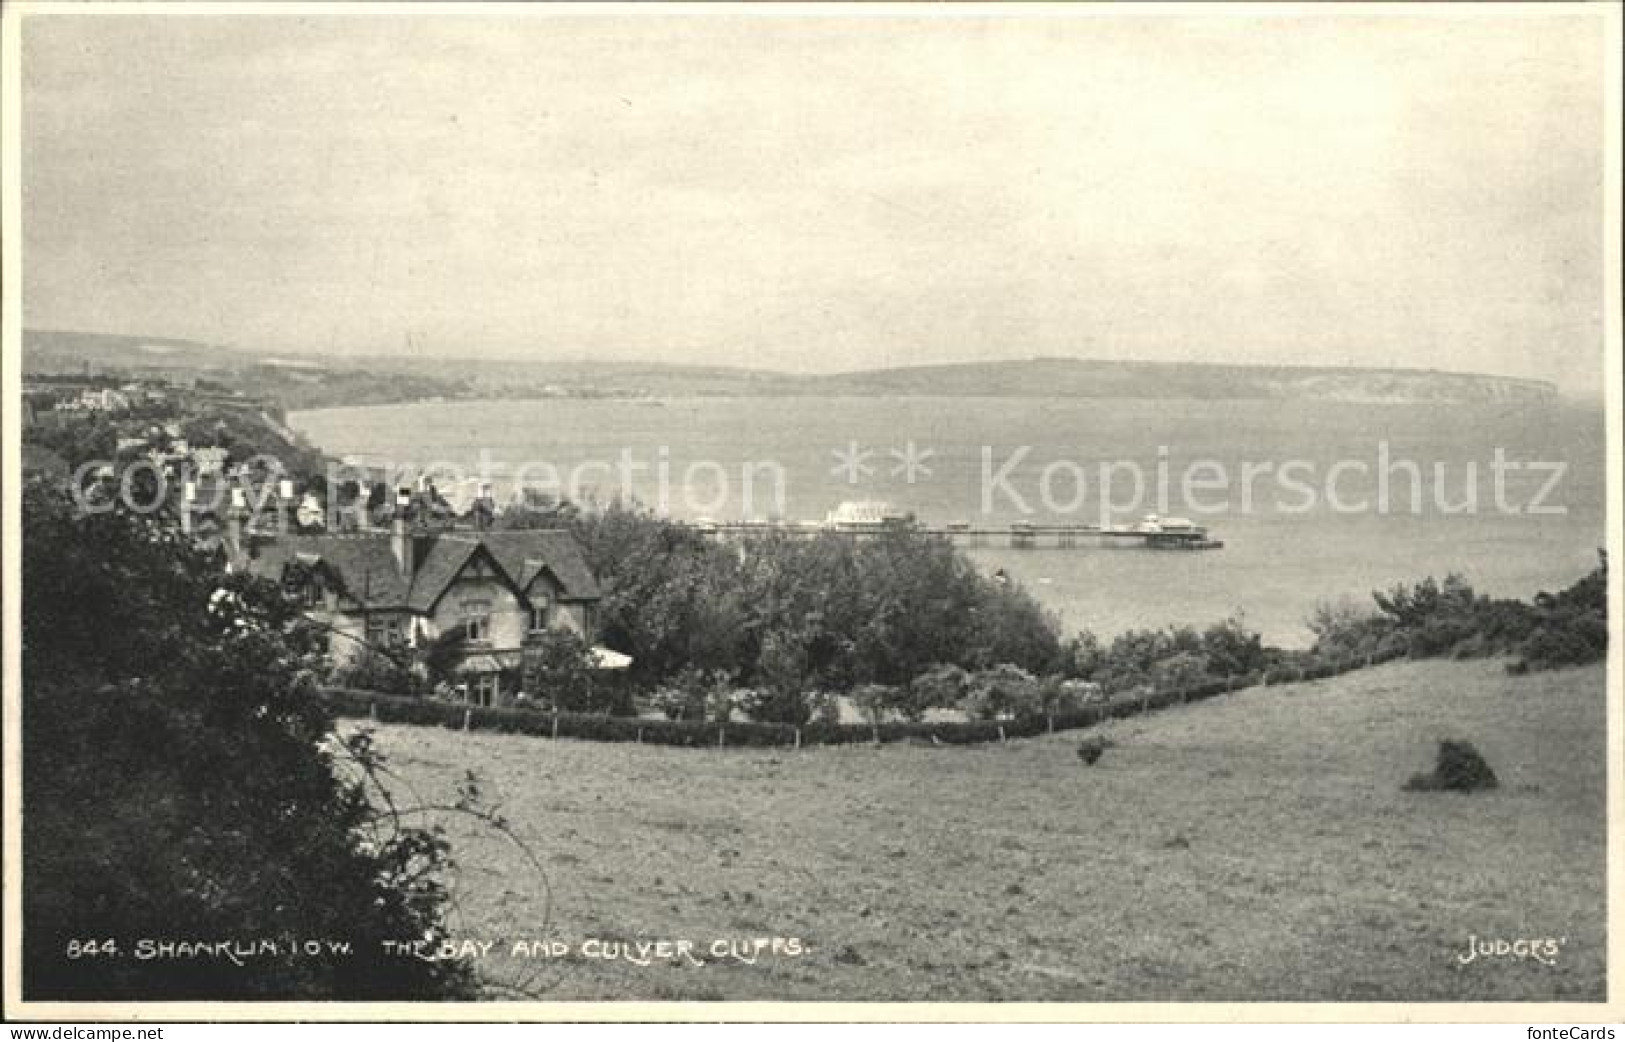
[(1421, 189)]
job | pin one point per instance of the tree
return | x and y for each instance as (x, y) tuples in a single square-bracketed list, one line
[(940, 687), (1002, 692), (443, 653), (558, 666), (181, 780), (1232, 649), (1181, 671), (874, 701)]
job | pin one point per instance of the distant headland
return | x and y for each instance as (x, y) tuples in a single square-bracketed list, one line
[(301, 380)]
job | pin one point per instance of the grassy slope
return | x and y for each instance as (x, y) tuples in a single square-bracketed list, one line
[(1258, 847)]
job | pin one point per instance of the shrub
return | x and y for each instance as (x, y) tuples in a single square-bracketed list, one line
[(875, 701), (174, 781), (558, 666), (1570, 628), (376, 671), (940, 687), (677, 703), (1004, 691), (1090, 750), (1460, 768), (1180, 672)]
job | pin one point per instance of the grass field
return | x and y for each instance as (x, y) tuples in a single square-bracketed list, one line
[(1256, 847)]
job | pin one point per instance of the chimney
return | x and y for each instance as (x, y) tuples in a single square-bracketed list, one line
[(400, 533), (284, 505), (234, 527)]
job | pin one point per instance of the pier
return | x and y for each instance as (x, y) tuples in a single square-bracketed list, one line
[(1019, 536)]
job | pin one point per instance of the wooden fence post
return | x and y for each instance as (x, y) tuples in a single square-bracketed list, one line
[(372, 710), (722, 735), (1002, 738), (798, 738), (555, 725), (468, 715), (640, 736)]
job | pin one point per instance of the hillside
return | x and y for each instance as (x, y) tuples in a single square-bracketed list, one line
[(1080, 378), (1258, 847), (60, 351), (302, 381)]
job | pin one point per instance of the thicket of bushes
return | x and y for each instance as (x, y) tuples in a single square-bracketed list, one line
[(779, 628), (1090, 682), (789, 619), (1435, 618), (178, 783)]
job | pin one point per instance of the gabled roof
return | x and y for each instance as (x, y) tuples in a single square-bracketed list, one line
[(439, 561), (525, 553), (365, 564)]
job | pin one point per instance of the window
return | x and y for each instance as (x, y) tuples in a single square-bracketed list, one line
[(541, 613), (485, 689), (477, 619), (384, 631)]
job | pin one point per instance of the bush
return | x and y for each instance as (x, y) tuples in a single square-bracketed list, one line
[(558, 666), (1003, 692), (1460, 768), (1090, 750), (376, 671), (175, 783), (940, 687), (795, 614), (1570, 628)]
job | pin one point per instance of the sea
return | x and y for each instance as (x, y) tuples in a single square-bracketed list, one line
[(1314, 501)]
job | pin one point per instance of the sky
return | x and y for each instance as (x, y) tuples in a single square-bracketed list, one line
[(1418, 188)]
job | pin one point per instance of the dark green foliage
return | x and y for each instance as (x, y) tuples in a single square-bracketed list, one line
[(940, 687), (377, 671), (558, 669), (1570, 628), (1090, 750), (1460, 768), (1446, 618), (1003, 692), (176, 785), (1231, 649), (80, 439), (1176, 657), (791, 616), (443, 653)]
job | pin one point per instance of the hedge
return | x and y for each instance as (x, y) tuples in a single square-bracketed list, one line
[(353, 702)]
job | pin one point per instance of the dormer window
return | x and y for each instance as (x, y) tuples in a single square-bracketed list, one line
[(541, 613)]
